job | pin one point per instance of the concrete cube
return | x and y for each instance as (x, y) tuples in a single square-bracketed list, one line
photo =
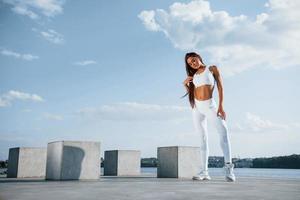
[(26, 162), (178, 161), (122, 163), (69, 160)]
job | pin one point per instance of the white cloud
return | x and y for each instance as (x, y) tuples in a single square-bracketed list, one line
[(148, 19), (253, 123), (35, 8), (24, 11), (27, 57), (234, 43), (85, 62), (51, 35), (132, 111), (6, 99), (53, 117)]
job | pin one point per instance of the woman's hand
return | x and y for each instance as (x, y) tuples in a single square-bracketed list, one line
[(187, 80), (221, 112)]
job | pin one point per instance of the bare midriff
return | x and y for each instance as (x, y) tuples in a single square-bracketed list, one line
[(203, 92)]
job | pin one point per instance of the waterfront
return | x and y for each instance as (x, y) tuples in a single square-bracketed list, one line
[(239, 172), (245, 172), (250, 184)]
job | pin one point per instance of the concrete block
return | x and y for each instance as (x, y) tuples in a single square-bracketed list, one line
[(73, 160), (122, 163), (26, 162), (178, 161)]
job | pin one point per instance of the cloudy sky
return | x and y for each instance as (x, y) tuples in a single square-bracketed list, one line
[(112, 71)]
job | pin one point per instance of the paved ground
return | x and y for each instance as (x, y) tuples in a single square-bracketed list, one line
[(149, 187)]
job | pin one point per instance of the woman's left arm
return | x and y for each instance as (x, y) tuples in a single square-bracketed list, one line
[(219, 81)]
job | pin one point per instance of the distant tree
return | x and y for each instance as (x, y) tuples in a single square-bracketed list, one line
[(3, 164), (287, 162)]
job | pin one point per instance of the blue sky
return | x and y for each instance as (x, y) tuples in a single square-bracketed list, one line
[(112, 72)]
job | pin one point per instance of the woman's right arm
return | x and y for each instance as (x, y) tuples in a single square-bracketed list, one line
[(186, 82)]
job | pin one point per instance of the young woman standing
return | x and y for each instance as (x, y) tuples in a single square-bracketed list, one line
[(199, 85)]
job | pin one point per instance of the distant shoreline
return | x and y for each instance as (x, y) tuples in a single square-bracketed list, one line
[(276, 162)]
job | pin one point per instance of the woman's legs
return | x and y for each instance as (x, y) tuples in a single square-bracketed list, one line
[(222, 129), (200, 124), (204, 111)]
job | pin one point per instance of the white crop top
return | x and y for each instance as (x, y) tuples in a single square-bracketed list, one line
[(204, 78)]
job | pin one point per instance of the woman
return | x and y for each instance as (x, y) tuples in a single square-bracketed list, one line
[(199, 85)]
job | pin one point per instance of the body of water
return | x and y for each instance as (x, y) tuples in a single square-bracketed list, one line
[(245, 172), (239, 172)]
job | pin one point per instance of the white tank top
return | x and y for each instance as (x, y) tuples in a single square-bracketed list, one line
[(204, 78)]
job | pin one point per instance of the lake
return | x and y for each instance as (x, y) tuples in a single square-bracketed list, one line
[(245, 172), (239, 172), (242, 172)]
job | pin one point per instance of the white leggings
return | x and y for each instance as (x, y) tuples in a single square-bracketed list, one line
[(207, 110)]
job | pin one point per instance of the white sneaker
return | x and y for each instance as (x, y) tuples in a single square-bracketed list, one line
[(229, 175), (203, 175)]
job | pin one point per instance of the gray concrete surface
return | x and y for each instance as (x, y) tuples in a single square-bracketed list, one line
[(122, 162), (149, 187), (178, 161), (68, 160), (26, 162)]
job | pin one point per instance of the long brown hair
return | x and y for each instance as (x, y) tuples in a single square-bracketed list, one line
[(190, 72)]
